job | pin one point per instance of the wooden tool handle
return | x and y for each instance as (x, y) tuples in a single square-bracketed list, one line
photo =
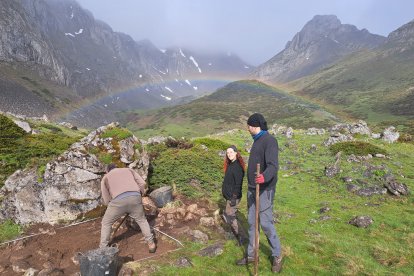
[(256, 251)]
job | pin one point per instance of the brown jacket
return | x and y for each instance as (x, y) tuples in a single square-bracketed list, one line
[(120, 180)]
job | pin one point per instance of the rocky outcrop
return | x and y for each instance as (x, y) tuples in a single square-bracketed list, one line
[(70, 185), (321, 42)]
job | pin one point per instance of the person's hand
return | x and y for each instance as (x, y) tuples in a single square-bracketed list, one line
[(233, 202), (260, 179)]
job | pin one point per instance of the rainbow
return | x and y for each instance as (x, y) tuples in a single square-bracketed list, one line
[(87, 103)]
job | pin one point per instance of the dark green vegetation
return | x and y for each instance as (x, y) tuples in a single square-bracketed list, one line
[(9, 230), (19, 150), (357, 147), (229, 107), (194, 171), (376, 86)]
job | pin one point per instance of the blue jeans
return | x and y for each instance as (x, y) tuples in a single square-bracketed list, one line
[(265, 219)]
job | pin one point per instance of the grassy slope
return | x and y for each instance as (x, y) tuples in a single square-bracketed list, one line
[(374, 86), (32, 150), (228, 108), (327, 247)]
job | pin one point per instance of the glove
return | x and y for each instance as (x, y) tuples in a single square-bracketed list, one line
[(233, 202), (260, 179)]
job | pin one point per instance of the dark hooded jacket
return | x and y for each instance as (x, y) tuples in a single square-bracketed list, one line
[(264, 151)]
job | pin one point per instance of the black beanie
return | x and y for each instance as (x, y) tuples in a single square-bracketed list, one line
[(257, 120), (233, 147)]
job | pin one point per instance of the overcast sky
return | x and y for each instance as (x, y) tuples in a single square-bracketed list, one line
[(256, 30)]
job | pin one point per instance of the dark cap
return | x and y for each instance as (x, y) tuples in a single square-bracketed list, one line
[(233, 147), (257, 120)]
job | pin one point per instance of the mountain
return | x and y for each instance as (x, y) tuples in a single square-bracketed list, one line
[(376, 85), (59, 42), (321, 42), (227, 108)]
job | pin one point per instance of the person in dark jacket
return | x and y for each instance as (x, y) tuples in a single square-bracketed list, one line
[(234, 168), (264, 151)]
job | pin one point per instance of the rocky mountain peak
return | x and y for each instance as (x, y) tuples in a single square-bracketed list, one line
[(321, 42), (404, 34)]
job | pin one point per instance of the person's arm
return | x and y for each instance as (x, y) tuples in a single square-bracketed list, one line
[(139, 180), (104, 190), (271, 160)]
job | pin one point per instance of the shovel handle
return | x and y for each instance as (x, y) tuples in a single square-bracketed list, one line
[(256, 241)]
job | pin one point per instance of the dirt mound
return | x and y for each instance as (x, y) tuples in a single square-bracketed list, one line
[(56, 248)]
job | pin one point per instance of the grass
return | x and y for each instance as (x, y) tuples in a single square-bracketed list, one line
[(330, 247), (372, 85), (19, 150), (323, 247), (9, 230), (229, 107)]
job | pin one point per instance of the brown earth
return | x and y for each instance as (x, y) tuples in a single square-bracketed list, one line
[(55, 249)]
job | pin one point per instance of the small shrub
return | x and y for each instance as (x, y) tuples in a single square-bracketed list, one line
[(9, 230), (405, 138), (118, 133), (213, 144), (181, 143), (184, 166), (9, 130), (51, 127), (356, 147)]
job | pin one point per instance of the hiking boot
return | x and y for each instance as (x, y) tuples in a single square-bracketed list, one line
[(152, 247), (277, 264), (245, 261)]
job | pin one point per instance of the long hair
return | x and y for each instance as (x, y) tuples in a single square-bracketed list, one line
[(239, 158)]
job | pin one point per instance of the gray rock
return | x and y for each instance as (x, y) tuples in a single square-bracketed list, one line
[(390, 135), (70, 186), (324, 209), (361, 221), (395, 187), (315, 131), (336, 138), (212, 250), (198, 236), (352, 187), (369, 191), (162, 196), (183, 262), (23, 125)]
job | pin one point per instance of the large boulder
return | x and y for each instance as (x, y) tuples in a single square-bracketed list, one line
[(70, 185)]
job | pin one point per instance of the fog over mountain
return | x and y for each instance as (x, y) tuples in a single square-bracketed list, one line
[(254, 30)]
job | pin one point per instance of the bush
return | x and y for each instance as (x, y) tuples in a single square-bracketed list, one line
[(356, 147), (9, 130), (213, 144), (178, 143), (202, 168), (31, 150), (9, 230), (118, 133), (52, 128)]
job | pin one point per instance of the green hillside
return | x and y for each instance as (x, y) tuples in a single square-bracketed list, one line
[(227, 108), (313, 241), (376, 86)]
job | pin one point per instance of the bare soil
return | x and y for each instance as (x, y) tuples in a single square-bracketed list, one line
[(57, 248)]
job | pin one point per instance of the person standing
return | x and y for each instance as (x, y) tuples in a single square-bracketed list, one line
[(264, 151), (234, 169), (121, 190)]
